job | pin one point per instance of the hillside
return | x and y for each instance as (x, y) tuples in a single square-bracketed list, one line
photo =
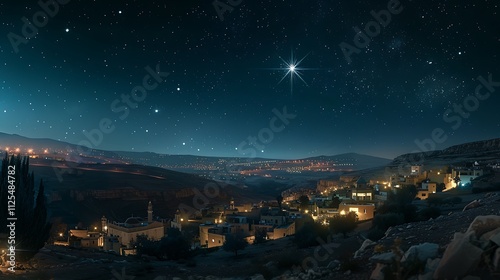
[(88, 191)]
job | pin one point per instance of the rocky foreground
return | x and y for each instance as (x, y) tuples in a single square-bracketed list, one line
[(459, 245), (456, 245)]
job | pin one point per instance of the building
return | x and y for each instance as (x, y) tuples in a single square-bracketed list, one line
[(362, 194), (327, 185), (467, 175), (126, 233), (82, 238), (364, 211)]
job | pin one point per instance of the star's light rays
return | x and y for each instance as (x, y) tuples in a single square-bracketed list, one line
[(292, 68)]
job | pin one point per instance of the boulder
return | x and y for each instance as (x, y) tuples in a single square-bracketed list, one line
[(377, 273), (496, 260), (474, 204), (333, 264), (483, 224), (421, 252), (485, 237), (459, 258), (385, 258), (496, 238), (367, 243)]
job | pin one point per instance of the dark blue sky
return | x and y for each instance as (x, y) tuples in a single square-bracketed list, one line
[(224, 75)]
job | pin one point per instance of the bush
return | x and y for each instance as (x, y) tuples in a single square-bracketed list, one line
[(308, 234), (344, 224), (385, 221)]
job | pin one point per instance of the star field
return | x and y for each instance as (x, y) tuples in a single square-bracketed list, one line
[(219, 91)]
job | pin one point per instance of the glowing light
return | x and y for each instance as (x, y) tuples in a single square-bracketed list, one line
[(292, 69)]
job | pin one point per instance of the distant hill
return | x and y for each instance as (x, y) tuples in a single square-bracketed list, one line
[(71, 152), (487, 150)]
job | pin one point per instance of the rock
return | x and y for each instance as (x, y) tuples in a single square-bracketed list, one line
[(367, 243), (460, 258), (385, 258), (311, 273), (496, 238), (422, 252), (483, 224), (496, 260), (430, 267), (408, 226), (377, 273), (474, 204), (333, 264), (489, 234), (388, 231)]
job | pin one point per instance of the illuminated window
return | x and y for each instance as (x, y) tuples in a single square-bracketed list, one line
[(213, 240)]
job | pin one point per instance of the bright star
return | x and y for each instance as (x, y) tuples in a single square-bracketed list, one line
[(156, 110), (67, 29), (292, 69)]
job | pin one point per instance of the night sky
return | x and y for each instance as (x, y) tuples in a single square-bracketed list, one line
[(224, 75)]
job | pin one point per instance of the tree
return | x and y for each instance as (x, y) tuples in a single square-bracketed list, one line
[(304, 202), (17, 181), (234, 243), (173, 246), (335, 202), (440, 187), (279, 199), (260, 235), (344, 224)]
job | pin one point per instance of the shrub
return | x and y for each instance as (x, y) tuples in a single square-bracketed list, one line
[(344, 224), (308, 234)]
